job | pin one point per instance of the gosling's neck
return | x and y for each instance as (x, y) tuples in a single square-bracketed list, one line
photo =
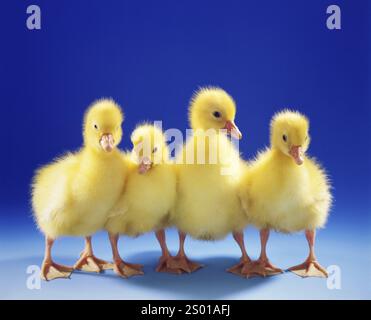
[(283, 160), (92, 152)]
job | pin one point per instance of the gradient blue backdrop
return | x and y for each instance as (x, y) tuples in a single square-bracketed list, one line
[(150, 56)]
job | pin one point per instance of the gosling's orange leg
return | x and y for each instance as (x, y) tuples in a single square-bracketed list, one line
[(245, 267), (166, 258), (181, 261), (310, 267), (263, 266), (49, 269), (87, 261), (121, 268)]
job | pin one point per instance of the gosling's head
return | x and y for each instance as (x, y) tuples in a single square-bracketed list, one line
[(213, 108), (149, 147), (102, 125), (289, 134)]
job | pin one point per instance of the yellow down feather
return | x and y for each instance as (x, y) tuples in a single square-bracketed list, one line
[(207, 205), (73, 195), (278, 193), (148, 199)]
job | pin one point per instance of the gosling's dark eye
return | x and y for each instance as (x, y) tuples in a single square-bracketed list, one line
[(284, 138), (96, 127), (217, 114), (154, 150)]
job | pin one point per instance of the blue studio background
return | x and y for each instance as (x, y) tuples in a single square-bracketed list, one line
[(150, 56)]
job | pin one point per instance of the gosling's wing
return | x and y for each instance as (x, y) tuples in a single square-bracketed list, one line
[(320, 186), (51, 188)]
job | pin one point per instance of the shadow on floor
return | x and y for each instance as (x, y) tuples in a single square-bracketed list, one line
[(210, 282)]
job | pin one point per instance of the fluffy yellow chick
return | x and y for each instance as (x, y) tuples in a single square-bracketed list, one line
[(73, 195), (287, 191), (147, 200), (208, 172)]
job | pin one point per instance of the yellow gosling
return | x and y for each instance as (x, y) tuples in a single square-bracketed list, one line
[(207, 206), (287, 191), (73, 195), (147, 200)]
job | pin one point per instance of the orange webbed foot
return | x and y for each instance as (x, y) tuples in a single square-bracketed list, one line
[(183, 263), (166, 264), (310, 268), (90, 263), (264, 268), (51, 271), (243, 269), (125, 269)]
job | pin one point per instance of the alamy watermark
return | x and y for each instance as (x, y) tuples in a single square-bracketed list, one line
[(333, 21), (210, 147), (33, 21), (334, 277), (33, 281)]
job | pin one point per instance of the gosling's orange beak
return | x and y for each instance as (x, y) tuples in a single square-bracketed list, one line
[(296, 152), (107, 142), (232, 129), (145, 165)]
